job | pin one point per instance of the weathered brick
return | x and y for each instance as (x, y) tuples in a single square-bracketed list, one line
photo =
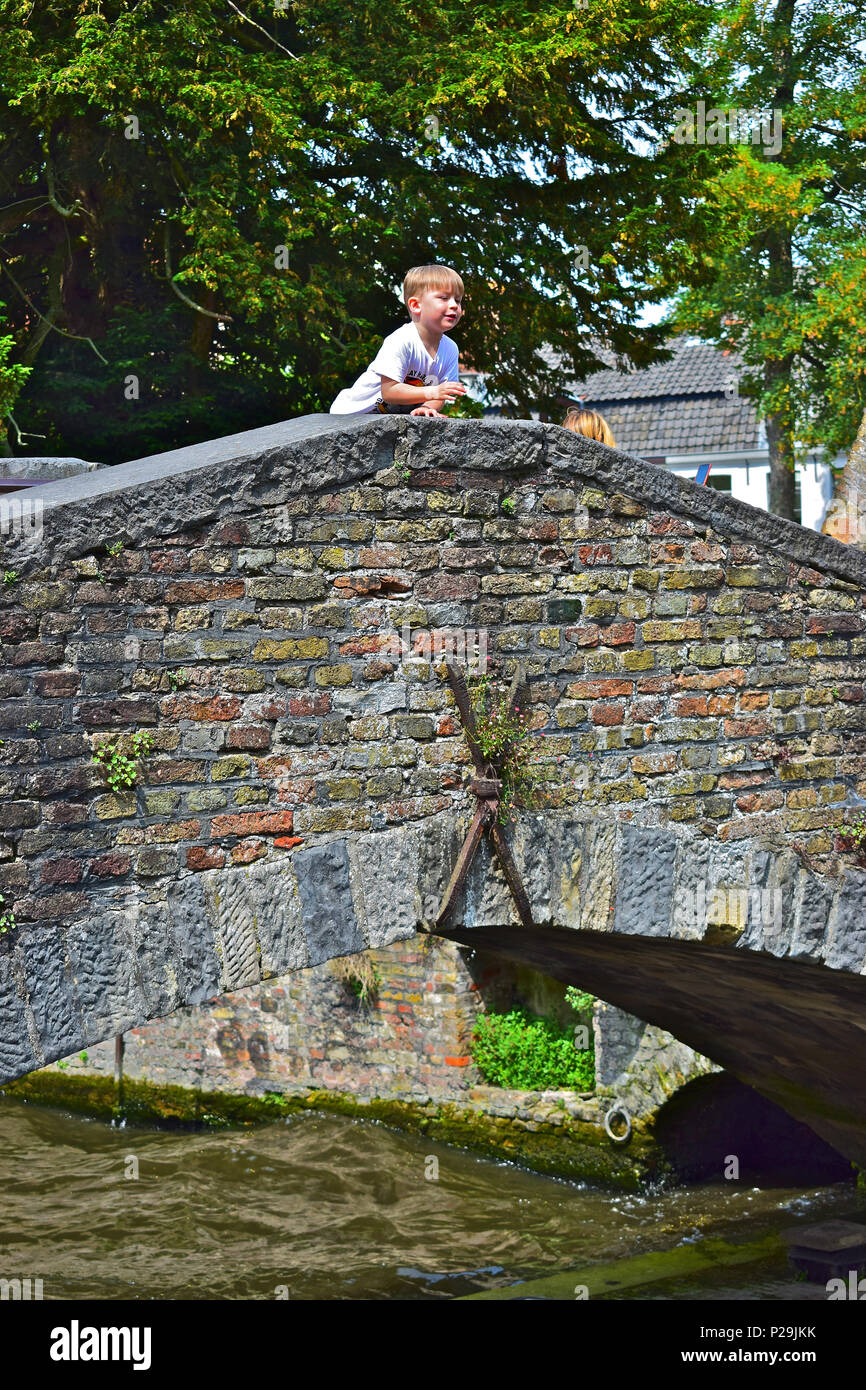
[(202, 591), (606, 714), (112, 865), (201, 857), (252, 823), (59, 684), (654, 631), (61, 871), (292, 649), (188, 707), (249, 736), (416, 726), (333, 675)]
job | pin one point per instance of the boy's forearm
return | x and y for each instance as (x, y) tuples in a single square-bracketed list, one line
[(398, 393)]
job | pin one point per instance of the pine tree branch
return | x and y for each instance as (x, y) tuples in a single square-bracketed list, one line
[(52, 326), (268, 36), (184, 298)]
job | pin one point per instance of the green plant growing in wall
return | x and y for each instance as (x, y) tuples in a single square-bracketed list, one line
[(177, 679), (11, 576), (121, 769), (359, 975), (524, 1053), (114, 549), (507, 505), (33, 726), (851, 838), (7, 919), (505, 740), (580, 1001)]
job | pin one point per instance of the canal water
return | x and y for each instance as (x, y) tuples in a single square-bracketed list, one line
[(324, 1207)]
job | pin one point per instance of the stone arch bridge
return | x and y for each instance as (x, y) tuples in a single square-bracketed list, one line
[(693, 668)]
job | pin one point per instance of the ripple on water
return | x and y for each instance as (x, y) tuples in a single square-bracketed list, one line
[(327, 1206)]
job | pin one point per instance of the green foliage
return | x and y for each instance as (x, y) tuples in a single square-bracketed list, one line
[(12, 374), (464, 408), (177, 679), (505, 739), (33, 726), (851, 838), (121, 768), (115, 548), (11, 576), (524, 1053), (507, 505), (7, 919), (280, 169), (774, 259), (579, 1000)]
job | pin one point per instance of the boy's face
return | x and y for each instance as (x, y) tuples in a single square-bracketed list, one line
[(438, 310)]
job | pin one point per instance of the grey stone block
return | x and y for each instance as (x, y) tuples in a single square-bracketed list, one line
[(537, 847), (230, 904), (196, 960), (50, 989), (645, 881), (16, 1054), (102, 959), (150, 926), (845, 942), (598, 874), (382, 701), (277, 911), (328, 913), (692, 877), (488, 901), (813, 903), (437, 847), (565, 890), (384, 877)]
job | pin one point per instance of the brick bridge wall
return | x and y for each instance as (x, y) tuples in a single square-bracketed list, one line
[(690, 660)]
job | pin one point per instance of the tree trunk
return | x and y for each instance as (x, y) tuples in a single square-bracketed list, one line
[(846, 515), (201, 340), (780, 439), (780, 276)]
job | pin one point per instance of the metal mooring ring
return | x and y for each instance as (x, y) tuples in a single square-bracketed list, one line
[(618, 1138)]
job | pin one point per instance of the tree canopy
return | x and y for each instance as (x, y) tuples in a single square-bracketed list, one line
[(776, 267), (205, 209)]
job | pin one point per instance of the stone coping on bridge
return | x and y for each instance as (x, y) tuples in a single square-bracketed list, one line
[(161, 494)]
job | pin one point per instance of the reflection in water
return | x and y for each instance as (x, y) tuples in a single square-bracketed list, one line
[(326, 1206)]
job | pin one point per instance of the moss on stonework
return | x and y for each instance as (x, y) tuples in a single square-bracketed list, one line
[(574, 1149)]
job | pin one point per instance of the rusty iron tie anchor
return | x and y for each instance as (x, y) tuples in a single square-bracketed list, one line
[(487, 789)]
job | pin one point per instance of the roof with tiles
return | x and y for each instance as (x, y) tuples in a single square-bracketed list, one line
[(674, 407)]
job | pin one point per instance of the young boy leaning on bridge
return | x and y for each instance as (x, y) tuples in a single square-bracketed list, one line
[(415, 370)]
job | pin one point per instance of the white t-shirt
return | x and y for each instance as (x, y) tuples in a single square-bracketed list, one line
[(404, 358)]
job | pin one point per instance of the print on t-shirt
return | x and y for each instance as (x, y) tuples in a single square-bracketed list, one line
[(412, 378), (404, 358)]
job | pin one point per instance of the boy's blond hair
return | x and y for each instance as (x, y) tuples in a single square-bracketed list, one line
[(430, 277), (591, 424)]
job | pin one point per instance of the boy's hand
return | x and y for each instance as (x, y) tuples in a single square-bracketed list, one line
[(428, 408), (446, 391)]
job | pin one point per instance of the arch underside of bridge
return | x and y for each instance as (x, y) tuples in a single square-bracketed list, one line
[(793, 1030), (782, 1005)]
